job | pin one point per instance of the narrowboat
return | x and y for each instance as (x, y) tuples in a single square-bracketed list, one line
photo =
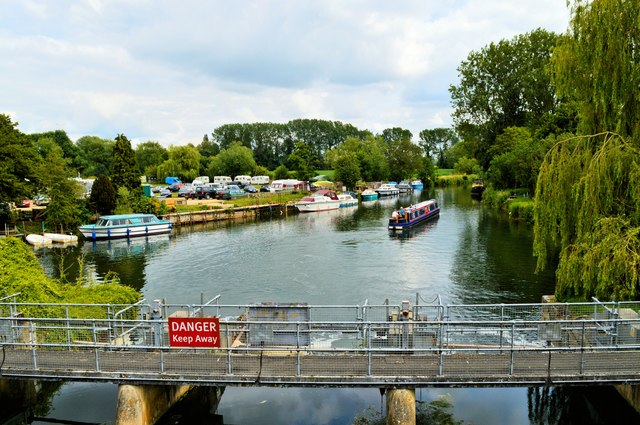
[(125, 226), (414, 214)]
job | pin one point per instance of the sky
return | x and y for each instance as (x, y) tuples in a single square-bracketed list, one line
[(173, 71)]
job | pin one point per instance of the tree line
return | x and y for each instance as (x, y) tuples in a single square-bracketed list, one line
[(555, 114)]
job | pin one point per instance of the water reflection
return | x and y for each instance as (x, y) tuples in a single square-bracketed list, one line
[(578, 405)]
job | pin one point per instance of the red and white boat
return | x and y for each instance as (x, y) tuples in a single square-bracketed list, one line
[(322, 200)]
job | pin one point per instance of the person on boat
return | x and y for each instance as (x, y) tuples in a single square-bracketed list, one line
[(394, 215), (401, 212)]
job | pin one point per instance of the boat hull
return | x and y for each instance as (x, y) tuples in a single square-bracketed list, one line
[(38, 240), (94, 233), (419, 213), (370, 197), (318, 206)]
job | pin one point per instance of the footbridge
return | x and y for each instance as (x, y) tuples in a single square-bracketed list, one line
[(411, 343)]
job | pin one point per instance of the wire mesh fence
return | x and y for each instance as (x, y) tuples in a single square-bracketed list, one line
[(296, 343)]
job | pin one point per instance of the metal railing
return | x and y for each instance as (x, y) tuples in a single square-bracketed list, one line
[(299, 344)]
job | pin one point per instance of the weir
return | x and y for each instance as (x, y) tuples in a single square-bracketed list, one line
[(394, 346)]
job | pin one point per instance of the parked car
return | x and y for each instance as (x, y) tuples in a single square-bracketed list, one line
[(41, 200), (165, 192), (157, 189), (186, 192), (205, 192), (175, 187), (238, 183), (265, 188), (250, 189), (231, 190)]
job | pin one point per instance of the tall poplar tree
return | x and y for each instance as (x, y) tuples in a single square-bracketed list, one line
[(124, 168), (588, 188)]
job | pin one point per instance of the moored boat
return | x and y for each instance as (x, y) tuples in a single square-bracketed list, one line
[(477, 187), (61, 238), (369, 195), (322, 200), (38, 240), (348, 199), (417, 184), (125, 226), (387, 189), (404, 187), (414, 214)]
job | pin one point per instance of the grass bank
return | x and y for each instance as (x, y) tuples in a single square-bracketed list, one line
[(516, 203)]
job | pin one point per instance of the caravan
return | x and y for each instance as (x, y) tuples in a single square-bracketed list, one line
[(222, 179), (289, 184), (245, 180), (260, 180)]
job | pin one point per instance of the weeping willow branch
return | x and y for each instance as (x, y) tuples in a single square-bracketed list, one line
[(583, 183)]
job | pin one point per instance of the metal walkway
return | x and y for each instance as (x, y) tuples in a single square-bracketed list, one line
[(410, 344)]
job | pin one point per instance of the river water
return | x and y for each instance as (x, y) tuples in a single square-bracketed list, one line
[(467, 255)]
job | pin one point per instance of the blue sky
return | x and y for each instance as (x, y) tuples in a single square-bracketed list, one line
[(172, 71)]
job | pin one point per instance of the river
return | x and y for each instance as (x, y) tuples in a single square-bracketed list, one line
[(467, 255)]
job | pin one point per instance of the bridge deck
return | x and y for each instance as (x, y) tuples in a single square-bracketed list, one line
[(296, 345)]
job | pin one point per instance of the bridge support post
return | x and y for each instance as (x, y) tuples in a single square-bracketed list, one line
[(401, 406), (145, 404), (631, 393)]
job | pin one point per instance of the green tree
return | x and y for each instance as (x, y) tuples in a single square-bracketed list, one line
[(436, 143), (588, 204), (303, 161), (347, 170), (17, 162), (404, 159), (281, 172), (124, 169), (66, 209), (587, 194), (184, 162), (61, 139), (95, 156), (103, 196), (516, 159), (395, 135), (598, 66), (149, 155), (503, 85), (234, 161)]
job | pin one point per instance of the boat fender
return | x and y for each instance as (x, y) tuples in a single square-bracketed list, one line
[(146, 229), (128, 232), (109, 233), (93, 235)]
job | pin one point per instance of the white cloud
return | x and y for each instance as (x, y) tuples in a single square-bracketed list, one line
[(167, 71)]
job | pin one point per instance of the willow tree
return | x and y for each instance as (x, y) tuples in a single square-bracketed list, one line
[(588, 204), (588, 188)]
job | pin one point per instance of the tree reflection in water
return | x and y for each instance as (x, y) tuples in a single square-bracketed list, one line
[(578, 405)]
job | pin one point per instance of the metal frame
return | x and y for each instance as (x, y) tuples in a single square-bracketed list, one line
[(352, 345)]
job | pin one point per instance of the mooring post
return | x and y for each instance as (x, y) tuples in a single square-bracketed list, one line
[(401, 406)]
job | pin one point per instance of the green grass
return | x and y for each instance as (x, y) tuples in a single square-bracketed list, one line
[(444, 171), (328, 173)]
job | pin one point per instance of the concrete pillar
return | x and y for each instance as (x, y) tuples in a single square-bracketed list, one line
[(145, 404), (631, 393), (401, 406)]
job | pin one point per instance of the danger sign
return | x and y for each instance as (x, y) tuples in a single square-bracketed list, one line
[(194, 332)]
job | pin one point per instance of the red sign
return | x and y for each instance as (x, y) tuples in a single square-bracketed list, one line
[(194, 332)]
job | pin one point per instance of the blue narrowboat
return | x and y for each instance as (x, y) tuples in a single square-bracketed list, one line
[(410, 216)]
